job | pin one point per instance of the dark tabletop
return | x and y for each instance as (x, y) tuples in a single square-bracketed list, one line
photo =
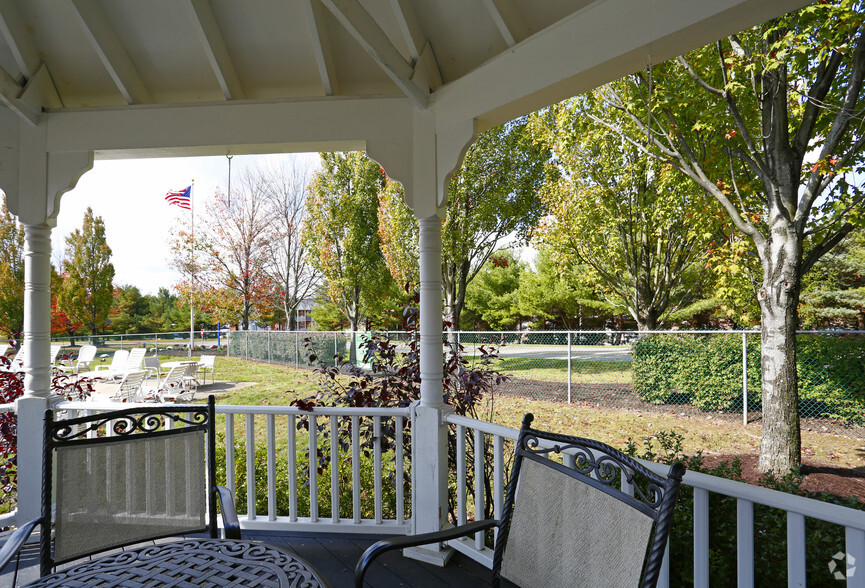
[(195, 562)]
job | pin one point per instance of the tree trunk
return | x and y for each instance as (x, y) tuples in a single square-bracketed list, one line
[(780, 447)]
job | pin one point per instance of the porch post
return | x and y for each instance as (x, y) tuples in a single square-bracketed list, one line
[(33, 180), (429, 435)]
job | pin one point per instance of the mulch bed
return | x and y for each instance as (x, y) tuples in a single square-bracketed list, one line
[(838, 481)]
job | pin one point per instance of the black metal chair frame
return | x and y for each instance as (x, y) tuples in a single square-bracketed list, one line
[(143, 421), (654, 495)]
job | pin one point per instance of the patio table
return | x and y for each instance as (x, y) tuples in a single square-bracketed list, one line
[(192, 562), (172, 364)]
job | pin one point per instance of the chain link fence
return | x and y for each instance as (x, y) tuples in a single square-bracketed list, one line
[(714, 373)]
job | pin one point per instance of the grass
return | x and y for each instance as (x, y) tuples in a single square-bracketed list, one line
[(556, 370), (279, 385)]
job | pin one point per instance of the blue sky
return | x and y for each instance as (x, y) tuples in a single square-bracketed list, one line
[(129, 196)]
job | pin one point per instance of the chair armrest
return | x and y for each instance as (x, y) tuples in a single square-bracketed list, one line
[(376, 549), (229, 515), (16, 541)]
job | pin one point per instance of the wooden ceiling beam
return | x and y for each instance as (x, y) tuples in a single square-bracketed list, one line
[(366, 31), (321, 46), (507, 20), (215, 49), (15, 34), (111, 52)]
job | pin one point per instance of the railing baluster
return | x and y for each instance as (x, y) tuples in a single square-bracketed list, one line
[(334, 469), (795, 549), (250, 466), (292, 468), (377, 468), (398, 474), (271, 467), (498, 479), (701, 538), (355, 468), (229, 454), (744, 543), (854, 543), (313, 469), (461, 475), (479, 485)]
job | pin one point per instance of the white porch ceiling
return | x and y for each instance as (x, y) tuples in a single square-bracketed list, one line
[(481, 60)]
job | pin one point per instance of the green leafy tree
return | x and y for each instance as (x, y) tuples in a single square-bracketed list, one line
[(128, 310), (493, 196), (341, 232), (11, 274), (768, 123), (620, 212), (833, 292), (558, 296), (87, 291), (492, 297)]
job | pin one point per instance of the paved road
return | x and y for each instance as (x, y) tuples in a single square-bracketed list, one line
[(578, 353)]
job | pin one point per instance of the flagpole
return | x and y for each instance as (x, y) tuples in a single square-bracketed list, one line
[(192, 270)]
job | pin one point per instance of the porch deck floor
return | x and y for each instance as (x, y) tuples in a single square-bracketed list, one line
[(334, 556)]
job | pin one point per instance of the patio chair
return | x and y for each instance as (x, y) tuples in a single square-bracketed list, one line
[(129, 388), (86, 355), (117, 367), (124, 477), (578, 513), (135, 359), (174, 386), (151, 366), (205, 363), (17, 363)]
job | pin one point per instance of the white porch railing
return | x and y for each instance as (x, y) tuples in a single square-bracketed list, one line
[(746, 495), (285, 418)]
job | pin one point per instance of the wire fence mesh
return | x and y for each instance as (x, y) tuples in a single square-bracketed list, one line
[(682, 372)]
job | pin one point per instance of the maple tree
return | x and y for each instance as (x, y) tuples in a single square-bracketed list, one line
[(767, 122)]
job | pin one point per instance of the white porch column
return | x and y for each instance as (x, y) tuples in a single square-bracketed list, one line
[(37, 373), (429, 436), (34, 179)]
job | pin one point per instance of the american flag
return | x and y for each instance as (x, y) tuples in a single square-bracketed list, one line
[(181, 198)]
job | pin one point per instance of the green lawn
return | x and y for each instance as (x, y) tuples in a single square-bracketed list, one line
[(556, 370)]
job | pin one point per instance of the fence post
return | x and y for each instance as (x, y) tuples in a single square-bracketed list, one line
[(121, 341), (744, 378), (296, 350), (569, 367), (269, 359), (247, 344)]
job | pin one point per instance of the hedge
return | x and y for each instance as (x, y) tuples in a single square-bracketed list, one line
[(706, 371)]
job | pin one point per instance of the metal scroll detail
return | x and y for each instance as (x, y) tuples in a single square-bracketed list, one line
[(126, 424), (608, 467), (191, 562)]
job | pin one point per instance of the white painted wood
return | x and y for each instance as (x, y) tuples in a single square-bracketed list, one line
[(270, 430), (37, 314), (229, 454), (207, 30), (462, 516), (292, 467), (498, 480), (377, 490), (701, 538), (111, 52), (795, 550), (409, 26), (17, 38), (313, 469), (508, 20), (355, 468), (854, 564), (744, 543), (250, 467), (321, 47), (366, 31), (334, 468), (305, 524), (400, 472), (579, 53), (31, 414), (10, 91), (479, 485)]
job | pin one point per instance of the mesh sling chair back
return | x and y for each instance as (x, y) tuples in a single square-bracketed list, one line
[(578, 513), (128, 476)]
